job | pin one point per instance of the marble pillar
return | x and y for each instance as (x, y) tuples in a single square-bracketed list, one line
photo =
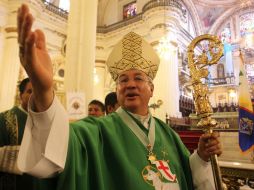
[(10, 67), (99, 82), (167, 86), (228, 64), (80, 52), (236, 63)]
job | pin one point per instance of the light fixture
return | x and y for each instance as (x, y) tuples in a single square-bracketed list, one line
[(232, 93), (166, 45)]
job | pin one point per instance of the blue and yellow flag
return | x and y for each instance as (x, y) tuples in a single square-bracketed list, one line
[(246, 115)]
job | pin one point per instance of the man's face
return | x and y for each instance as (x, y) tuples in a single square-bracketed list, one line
[(24, 97), (134, 91), (95, 110)]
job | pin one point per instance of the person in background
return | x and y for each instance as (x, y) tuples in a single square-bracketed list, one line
[(128, 149), (12, 125), (111, 103), (96, 108)]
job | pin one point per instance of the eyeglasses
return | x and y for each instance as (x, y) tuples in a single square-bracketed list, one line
[(137, 79)]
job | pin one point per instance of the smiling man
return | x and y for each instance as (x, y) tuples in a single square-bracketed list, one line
[(96, 108), (128, 149), (134, 90)]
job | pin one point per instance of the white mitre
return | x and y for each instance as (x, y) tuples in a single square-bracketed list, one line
[(133, 52)]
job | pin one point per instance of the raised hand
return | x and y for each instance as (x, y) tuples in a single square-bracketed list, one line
[(35, 59), (209, 144)]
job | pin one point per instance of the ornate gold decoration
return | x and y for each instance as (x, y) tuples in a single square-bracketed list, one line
[(198, 71), (211, 50), (156, 105)]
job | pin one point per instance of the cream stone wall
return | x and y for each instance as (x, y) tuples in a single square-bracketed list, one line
[(110, 15), (1, 47), (10, 61), (99, 82), (54, 27), (112, 12), (3, 20), (231, 149), (81, 49)]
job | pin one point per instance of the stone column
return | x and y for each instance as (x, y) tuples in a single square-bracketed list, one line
[(80, 52), (10, 67), (228, 64), (236, 63), (167, 86), (99, 82)]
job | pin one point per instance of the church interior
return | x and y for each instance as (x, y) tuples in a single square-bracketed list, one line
[(81, 34)]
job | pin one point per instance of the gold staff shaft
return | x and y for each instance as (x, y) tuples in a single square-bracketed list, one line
[(216, 173), (216, 170)]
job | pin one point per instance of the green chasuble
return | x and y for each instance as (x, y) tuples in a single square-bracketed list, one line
[(12, 125), (11, 132), (105, 154)]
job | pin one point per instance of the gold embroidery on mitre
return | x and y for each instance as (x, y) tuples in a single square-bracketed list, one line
[(132, 57)]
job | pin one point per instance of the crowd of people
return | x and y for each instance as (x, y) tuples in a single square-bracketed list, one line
[(97, 109)]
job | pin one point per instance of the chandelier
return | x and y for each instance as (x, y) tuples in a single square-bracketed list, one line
[(166, 46)]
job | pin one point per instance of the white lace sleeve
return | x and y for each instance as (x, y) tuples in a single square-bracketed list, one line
[(202, 173), (44, 146)]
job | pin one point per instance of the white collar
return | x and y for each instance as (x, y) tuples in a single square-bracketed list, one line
[(144, 119)]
